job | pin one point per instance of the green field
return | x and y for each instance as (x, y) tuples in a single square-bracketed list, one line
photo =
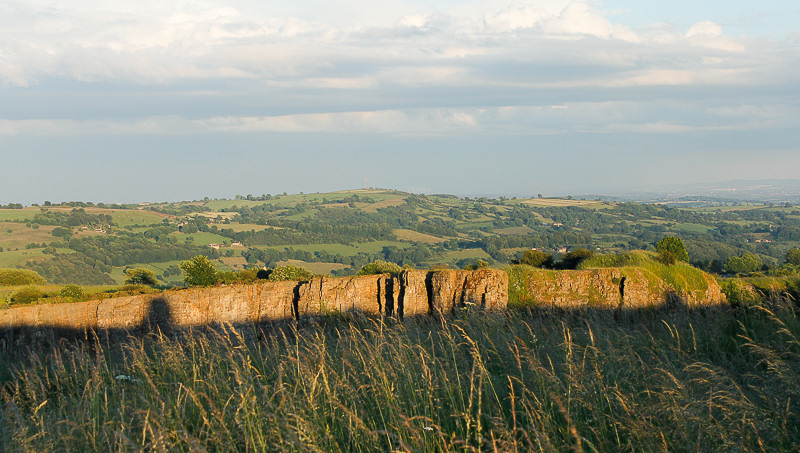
[(18, 258), (91, 291), (514, 230), (239, 227), (202, 238), (694, 228), (301, 216), (338, 224), (293, 199), (343, 249), (17, 215), (17, 235), (560, 202), (452, 258), (128, 217), (414, 236), (316, 268), (122, 217), (118, 273)]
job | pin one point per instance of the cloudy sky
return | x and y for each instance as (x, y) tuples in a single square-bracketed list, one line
[(153, 100)]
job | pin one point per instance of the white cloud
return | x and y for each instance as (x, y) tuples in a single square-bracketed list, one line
[(496, 70), (517, 15), (575, 117), (164, 42), (706, 28), (579, 19), (414, 122)]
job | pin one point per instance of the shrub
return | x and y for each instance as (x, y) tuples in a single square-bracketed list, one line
[(136, 288), (74, 292), (248, 275), (572, 259), (140, 276), (479, 264), (738, 294), (290, 272), (537, 258), (379, 267), (242, 276), (19, 277), (131, 290), (227, 277), (27, 295), (60, 232)]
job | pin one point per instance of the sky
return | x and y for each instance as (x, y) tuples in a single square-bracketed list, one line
[(112, 101)]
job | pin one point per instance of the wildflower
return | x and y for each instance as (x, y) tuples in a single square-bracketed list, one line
[(130, 379)]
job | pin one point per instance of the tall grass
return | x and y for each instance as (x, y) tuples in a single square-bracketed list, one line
[(522, 381)]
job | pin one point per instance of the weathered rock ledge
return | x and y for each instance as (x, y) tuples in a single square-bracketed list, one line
[(410, 293), (615, 288)]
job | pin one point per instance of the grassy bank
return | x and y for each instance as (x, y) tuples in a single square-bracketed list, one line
[(522, 381), (532, 286)]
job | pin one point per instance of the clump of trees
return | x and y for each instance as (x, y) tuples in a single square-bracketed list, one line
[(73, 268), (19, 277), (743, 264), (569, 260)]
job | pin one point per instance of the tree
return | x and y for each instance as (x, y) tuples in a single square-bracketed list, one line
[(672, 245), (140, 276), (199, 271), (746, 263), (793, 257)]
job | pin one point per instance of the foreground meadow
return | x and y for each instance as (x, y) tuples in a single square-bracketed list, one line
[(677, 380)]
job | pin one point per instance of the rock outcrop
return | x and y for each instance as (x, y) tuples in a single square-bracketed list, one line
[(411, 293), (617, 288)]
